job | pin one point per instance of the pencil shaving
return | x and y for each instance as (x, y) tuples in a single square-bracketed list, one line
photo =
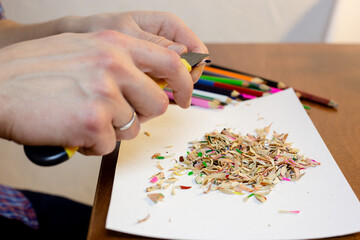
[(286, 211), (158, 165), (232, 163), (251, 163), (144, 219), (156, 197)]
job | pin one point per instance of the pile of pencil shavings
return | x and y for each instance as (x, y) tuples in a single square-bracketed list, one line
[(235, 164)]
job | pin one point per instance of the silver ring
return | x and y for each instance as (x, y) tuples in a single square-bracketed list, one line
[(128, 125)]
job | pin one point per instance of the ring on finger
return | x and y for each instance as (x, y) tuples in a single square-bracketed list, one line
[(129, 124)]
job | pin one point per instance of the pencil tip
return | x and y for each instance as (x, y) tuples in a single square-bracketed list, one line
[(281, 85), (257, 80), (264, 87), (333, 104)]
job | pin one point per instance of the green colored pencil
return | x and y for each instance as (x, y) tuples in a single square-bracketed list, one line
[(237, 82)]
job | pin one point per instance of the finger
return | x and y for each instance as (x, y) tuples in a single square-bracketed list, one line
[(130, 129), (196, 72), (105, 141), (177, 47), (105, 115), (104, 144), (162, 41), (99, 135), (171, 27), (143, 94), (162, 63), (125, 123)]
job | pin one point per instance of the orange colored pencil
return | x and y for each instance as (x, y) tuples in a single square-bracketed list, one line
[(227, 73)]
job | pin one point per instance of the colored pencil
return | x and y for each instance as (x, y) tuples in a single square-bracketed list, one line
[(220, 97), (209, 73), (198, 101), (253, 78), (237, 82), (316, 99), (226, 92), (232, 87), (214, 100), (227, 73), (216, 69), (233, 81)]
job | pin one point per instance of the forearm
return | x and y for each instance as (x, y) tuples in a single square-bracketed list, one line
[(13, 32)]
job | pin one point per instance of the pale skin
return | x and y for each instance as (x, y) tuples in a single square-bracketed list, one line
[(71, 89)]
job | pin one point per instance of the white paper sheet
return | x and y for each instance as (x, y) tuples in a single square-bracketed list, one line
[(327, 203)]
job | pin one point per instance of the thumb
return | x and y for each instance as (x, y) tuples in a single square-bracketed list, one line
[(164, 42)]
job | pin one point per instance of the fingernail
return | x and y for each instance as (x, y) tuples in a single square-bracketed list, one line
[(178, 48)]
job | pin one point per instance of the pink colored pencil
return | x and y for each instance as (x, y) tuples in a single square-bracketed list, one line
[(195, 101), (274, 90), (248, 96)]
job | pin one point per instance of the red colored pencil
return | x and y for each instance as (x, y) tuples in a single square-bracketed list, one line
[(316, 99), (239, 89)]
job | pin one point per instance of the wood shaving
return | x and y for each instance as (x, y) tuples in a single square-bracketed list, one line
[(156, 197), (144, 219), (251, 163), (157, 156), (292, 212), (153, 188), (158, 165), (235, 164)]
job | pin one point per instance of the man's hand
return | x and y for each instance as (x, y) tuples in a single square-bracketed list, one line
[(73, 89), (164, 29)]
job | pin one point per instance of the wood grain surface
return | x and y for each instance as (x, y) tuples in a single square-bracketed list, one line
[(330, 71)]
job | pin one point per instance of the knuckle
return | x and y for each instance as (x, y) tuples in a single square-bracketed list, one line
[(174, 61), (158, 107), (108, 147), (161, 106), (108, 35), (93, 118), (110, 59), (105, 58), (105, 87), (156, 39), (115, 38)]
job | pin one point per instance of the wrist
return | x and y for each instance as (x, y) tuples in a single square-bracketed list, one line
[(70, 24)]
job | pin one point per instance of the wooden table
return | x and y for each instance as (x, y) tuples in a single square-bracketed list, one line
[(331, 71)]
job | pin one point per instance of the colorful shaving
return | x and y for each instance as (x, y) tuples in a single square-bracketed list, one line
[(285, 211), (232, 163), (154, 180)]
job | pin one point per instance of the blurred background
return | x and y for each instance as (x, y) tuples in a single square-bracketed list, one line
[(214, 21)]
